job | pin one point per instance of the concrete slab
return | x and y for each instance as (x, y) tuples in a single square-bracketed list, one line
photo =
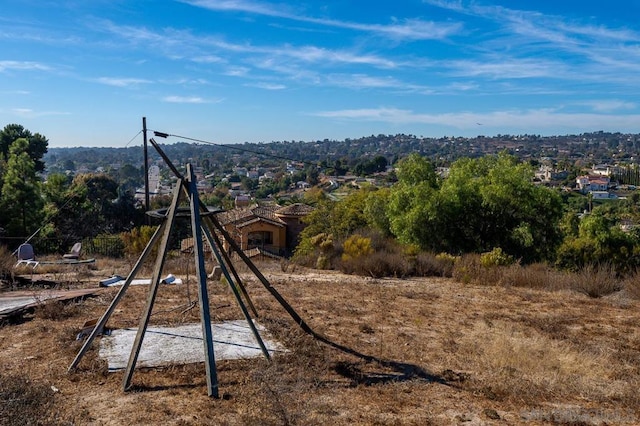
[(185, 345)]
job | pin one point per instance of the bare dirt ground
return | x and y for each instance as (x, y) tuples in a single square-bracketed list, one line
[(401, 352)]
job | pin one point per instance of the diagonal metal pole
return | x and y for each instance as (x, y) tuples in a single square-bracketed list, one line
[(155, 283), (212, 236), (200, 205), (203, 296), (179, 175), (216, 248), (292, 313), (105, 317)]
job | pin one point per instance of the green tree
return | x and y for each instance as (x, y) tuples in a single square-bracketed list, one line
[(411, 199), (375, 210), (335, 219), (36, 143), (90, 208), (415, 169), (600, 241), (129, 178), (312, 175), (484, 203), (21, 202)]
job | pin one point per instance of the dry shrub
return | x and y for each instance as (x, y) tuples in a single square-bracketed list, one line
[(137, 239), (496, 257), (468, 269), (591, 280), (632, 286), (596, 281), (537, 276), (25, 402), (378, 265), (287, 266), (429, 265), (356, 246), (56, 310), (7, 260)]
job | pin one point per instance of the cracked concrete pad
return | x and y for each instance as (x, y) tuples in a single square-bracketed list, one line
[(184, 344)]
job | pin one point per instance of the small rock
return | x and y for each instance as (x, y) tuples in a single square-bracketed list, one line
[(491, 413)]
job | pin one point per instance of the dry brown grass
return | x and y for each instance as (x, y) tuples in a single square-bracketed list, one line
[(400, 351), (7, 260), (632, 286)]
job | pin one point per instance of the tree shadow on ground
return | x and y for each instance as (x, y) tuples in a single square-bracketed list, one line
[(395, 371)]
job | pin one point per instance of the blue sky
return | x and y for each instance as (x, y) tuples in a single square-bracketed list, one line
[(84, 73)]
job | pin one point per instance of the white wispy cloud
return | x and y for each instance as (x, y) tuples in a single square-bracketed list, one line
[(604, 105), (511, 69), (363, 81), (188, 100), (315, 54), (175, 43), (267, 86), (207, 59), (557, 32), (122, 82), (188, 81), (567, 48), (408, 29), (30, 113), (16, 92), (525, 120), (23, 66), (236, 71)]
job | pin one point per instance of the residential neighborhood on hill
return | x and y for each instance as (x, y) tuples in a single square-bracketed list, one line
[(598, 162)]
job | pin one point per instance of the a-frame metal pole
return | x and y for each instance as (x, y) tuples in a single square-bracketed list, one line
[(216, 250), (105, 317), (155, 283), (213, 239), (203, 295), (146, 168), (175, 171), (265, 283)]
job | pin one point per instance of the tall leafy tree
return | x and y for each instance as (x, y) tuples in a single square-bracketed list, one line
[(375, 210), (21, 202), (61, 208), (484, 203), (37, 144), (338, 219), (96, 194), (600, 240), (410, 201)]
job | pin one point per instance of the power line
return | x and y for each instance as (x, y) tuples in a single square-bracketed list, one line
[(68, 198), (132, 139), (237, 148)]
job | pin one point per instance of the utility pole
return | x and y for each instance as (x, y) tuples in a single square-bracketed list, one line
[(146, 168)]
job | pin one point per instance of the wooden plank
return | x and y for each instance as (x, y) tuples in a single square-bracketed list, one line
[(48, 296)]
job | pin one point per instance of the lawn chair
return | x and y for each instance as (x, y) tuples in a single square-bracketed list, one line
[(75, 252), (26, 256)]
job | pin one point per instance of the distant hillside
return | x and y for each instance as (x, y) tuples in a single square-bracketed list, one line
[(590, 148)]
